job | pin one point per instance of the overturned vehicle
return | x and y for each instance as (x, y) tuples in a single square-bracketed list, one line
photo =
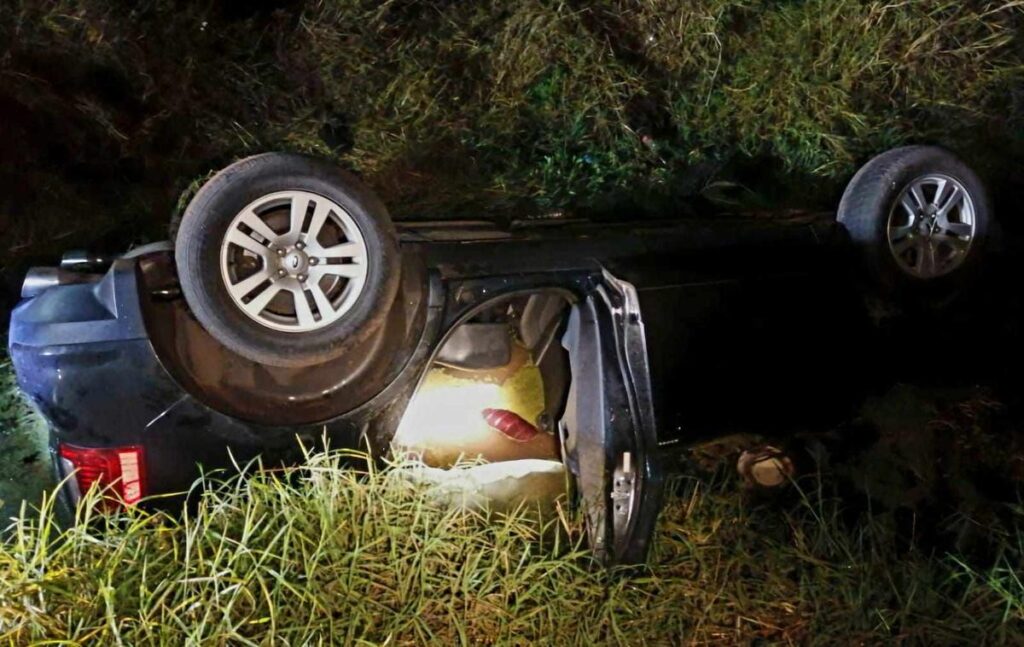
[(289, 309)]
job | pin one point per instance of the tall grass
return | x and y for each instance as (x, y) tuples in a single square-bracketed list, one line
[(324, 554)]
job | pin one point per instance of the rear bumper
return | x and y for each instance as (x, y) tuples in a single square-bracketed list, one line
[(83, 357)]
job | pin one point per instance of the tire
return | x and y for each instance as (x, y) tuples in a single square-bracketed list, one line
[(874, 215), (289, 188)]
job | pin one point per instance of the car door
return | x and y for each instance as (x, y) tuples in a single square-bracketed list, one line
[(608, 427)]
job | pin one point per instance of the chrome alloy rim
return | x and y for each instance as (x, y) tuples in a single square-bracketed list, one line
[(931, 226), (293, 261)]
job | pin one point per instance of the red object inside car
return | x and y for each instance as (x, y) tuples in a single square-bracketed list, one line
[(511, 424), (118, 471)]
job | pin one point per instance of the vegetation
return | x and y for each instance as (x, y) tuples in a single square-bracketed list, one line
[(24, 457), (327, 554), (112, 109)]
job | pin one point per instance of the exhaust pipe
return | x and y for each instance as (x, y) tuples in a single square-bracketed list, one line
[(39, 279), (80, 260)]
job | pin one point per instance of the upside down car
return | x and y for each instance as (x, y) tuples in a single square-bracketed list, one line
[(289, 307)]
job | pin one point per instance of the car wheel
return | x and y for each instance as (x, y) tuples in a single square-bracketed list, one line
[(287, 260), (920, 218)]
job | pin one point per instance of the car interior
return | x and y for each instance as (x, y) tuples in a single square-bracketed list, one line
[(482, 424), (495, 388)]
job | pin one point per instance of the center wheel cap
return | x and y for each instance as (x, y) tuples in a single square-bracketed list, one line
[(295, 262)]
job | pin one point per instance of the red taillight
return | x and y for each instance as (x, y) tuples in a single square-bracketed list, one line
[(119, 471)]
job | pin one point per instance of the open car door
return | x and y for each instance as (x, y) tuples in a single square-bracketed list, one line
[(608, 428)]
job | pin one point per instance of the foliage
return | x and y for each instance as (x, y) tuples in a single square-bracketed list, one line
[(111, 109)]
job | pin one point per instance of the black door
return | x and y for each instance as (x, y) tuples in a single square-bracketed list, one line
[(608, 429)]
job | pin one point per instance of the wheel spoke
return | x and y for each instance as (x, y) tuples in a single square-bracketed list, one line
[(899, 233), (302, 310), (247, 285), (246, 241), (915, 190), (925, 258), (323, 304), (323, 209), (297, 216), (252, 221), (902, 245), (909, 207), (958, 229), (344, 250), (942, 215), (347, 270), (940, 187), (959, 246), (260, 301)]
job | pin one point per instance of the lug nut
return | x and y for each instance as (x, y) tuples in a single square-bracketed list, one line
[(281, 273), (302, 278), (280, 252), (314, 261), (300, 245)]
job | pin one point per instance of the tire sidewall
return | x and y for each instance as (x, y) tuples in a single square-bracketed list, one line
[(198, 253)]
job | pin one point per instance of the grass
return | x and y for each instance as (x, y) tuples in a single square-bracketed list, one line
[(449, 109), (24, 456), (324, 554)]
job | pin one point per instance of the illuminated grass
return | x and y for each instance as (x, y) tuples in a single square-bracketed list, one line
[(325, 554)]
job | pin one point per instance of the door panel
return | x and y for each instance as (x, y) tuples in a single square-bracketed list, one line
[(608, 431)]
